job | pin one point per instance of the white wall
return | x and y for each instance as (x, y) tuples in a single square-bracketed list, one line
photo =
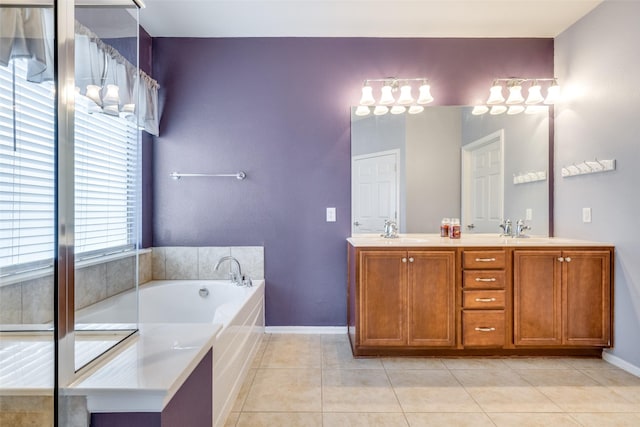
[(598, 63)]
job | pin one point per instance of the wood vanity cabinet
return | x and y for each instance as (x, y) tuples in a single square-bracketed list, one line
[(406, 298), (562, 297)]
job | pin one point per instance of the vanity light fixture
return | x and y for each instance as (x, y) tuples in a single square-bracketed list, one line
[(388, 86), (108, 103), (515, 102)]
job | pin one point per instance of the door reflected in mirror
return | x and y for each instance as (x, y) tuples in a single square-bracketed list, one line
[(448, 163)]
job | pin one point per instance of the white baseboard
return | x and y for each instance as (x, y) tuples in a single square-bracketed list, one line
[(305, 330), (621, 363)]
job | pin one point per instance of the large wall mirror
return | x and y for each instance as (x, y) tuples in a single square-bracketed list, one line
[(446, 162)]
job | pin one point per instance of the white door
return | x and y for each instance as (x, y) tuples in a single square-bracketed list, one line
[(483, 184), (374, 187)]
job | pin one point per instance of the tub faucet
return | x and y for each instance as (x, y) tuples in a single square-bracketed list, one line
[(237, 278)]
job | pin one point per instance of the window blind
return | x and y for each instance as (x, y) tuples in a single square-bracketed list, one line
[(106, 160)]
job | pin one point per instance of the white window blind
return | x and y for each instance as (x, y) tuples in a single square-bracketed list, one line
[(105, 176)]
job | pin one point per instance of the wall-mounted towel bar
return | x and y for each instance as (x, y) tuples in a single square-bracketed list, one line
[(239, 175)]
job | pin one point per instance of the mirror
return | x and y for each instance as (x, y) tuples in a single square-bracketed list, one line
[(446, 162)]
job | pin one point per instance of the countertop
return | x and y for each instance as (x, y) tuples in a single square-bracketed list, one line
[(466, 240)]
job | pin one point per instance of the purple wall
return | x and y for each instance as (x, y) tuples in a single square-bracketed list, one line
[(278, 108)]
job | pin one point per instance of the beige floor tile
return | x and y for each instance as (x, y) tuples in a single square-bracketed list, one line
[(327, 338), (556, 377), (588, 363), (280, 419), (612, 377), (512, 399), (607, 419), (537, 363), (337, 355), (232, 419), (282, 390), (293, 351), (488, 377), (533, 420), (357, 390), (337, 419), (475, 363), (412, 363), (449, 420), (244, 391), (260, 352), (431, 391), (589, 399)]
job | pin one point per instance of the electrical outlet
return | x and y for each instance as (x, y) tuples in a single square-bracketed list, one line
[(586, 215), (528, 214), (331, 214)]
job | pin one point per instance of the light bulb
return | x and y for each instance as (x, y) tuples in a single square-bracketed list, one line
[(380, 110), (495, 95), (387, 97), (362, 110), (93, 93), (367, 96), (498, 109), (553, 94), (424, 96), (515, 109), (398, 109), (515, 95), (415, 109), (112, 96), (405, 95), (535, 95), (479, 110)]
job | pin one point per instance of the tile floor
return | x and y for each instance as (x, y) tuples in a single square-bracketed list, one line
[(312, 380)]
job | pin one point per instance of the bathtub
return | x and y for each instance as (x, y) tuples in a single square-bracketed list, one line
[(239, 310)]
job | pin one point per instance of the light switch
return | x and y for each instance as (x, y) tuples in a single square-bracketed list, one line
[(528, 214), (586, 215), (331, 214)]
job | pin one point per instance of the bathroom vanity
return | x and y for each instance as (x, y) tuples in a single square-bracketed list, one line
[(421, 294)]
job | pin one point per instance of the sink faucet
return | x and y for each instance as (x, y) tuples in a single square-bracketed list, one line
[(506, 228), (237, 278), (390, 229), (520, 228)]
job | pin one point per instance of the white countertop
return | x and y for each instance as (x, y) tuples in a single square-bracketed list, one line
[(484, 240)]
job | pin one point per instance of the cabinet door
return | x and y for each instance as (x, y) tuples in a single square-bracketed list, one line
[(587, 296), (537, 293), (383, 298), (431, 315)]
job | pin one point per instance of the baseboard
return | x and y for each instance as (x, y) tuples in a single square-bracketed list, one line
[(305, 330), (621, 363)]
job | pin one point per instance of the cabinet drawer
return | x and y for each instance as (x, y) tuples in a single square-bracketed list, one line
[(483, 328), (484, 259), (483, 299), (483, 279)]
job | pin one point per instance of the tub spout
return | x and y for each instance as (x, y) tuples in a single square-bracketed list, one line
[(236, 276)]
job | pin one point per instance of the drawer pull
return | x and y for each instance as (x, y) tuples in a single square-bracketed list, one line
[(485, 299), (485, 259), (480, 329), (480, 279)]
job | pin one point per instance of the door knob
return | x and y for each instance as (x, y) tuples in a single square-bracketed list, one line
[(471, 226), (356, 223)]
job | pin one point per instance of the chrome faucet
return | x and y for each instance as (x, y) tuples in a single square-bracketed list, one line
[(237, 278), (390, 229), (507, 229), (520, 229)]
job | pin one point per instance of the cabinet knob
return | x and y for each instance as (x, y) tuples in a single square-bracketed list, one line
[(561, 259), (481, 329), (411, 259), (404, 260), (568, 259)]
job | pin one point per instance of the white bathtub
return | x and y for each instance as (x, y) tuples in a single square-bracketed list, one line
[(239, 310)]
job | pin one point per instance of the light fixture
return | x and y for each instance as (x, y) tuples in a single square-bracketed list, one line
[(93, 93), (495, 94), (405, 95), (380, 110), (112, 96), (367, 95), (535, 94), (363, 110), (516, 101), (388, 87), (553, 93), (386, 97), (515, 94)]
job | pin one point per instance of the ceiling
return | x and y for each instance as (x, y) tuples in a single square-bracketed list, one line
[(361, 18)]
